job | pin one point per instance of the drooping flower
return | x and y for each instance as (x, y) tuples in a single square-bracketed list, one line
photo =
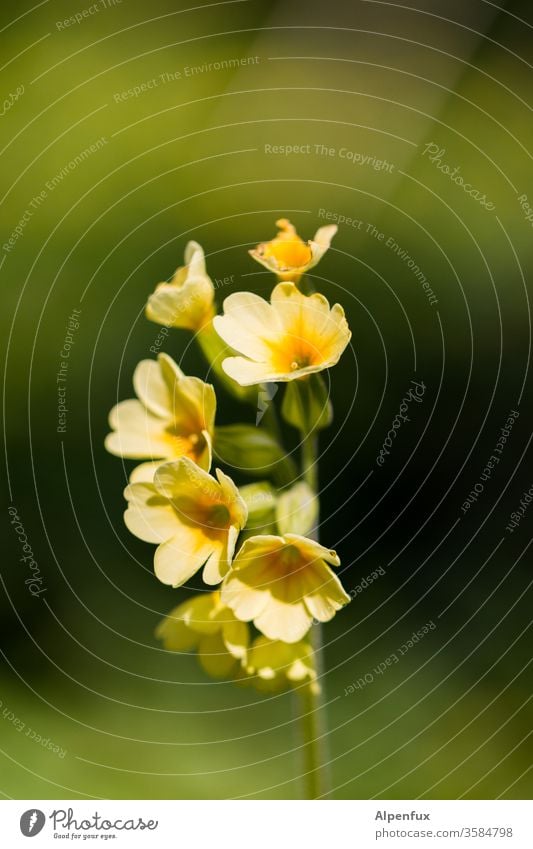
[(174, 416), (282, 583), (288, 256), (187, 301), (203, 624), (273, 666), (293, 336), (194, 518)]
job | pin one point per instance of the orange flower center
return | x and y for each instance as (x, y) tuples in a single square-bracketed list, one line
[(295, 352), (288, 253), (185, 444)]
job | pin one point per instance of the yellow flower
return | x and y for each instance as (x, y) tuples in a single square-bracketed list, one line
[(282, 583), (174, 417), (273, 665), (194, 518), (291, 337), (187, 301), (204, 624), (288, 256)]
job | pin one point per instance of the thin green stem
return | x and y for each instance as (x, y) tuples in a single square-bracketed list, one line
[(309, 461), (270, 419), (313, 712)]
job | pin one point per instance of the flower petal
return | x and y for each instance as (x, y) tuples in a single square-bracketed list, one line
[(149, 516), (199, 613), (178, 559), (324, 593), (243, 597), (214, 657), (236, 636), (312, 550), (136, 432), (175, 634), (185, 306), (284, 620), (247, 321), (144, 473), (152, 388)]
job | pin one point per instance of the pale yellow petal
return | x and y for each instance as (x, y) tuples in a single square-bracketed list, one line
[(136, 432), (217, 566), (248, 322), (288, 621), (236, 636), (324, 593), (256, 547), (204, 456), (149, 516), (234, 500), (182, 481), (145, 472), (152, 389), (193, 405), (246, 600), (199, 613), (175, 634), (324, 235), (248, 373), (321, 243), (178, 559), (214, 657), (184, 306), (312, 550), (194, 259)]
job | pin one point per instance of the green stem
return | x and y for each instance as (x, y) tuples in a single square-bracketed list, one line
[(310, 464), (315, 758), (313, 712), (270, 419)]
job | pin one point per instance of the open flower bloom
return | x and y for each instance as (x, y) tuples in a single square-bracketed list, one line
[(187, 301), (203, 624), (282, 583), (273, 665), (174, 417), (194, 518), (288, 256), (291, 337)]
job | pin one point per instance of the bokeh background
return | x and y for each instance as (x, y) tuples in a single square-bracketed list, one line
[(188, 158)]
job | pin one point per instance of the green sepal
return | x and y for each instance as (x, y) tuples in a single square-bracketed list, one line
[(215, 351), (306, 404), (297, 510)]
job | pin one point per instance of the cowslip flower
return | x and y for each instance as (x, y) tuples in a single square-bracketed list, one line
[(274, 666), (293, 336), (194, 518), (187, 301), (282, 583), (287, 255), (202, 623), (173, 416)]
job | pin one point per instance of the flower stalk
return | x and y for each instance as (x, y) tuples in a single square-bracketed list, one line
[(271, 583), (315, 755)]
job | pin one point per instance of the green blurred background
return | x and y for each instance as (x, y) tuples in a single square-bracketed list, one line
[(186, 158)]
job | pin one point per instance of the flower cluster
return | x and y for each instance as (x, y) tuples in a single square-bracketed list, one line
[(256, 544)]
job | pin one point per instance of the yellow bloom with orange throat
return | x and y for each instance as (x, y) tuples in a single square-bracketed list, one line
[(203, 624), (273, 666), (173, 416), (293, 336), (194, 519), (288, 256), (187, 301), (282, 583)]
